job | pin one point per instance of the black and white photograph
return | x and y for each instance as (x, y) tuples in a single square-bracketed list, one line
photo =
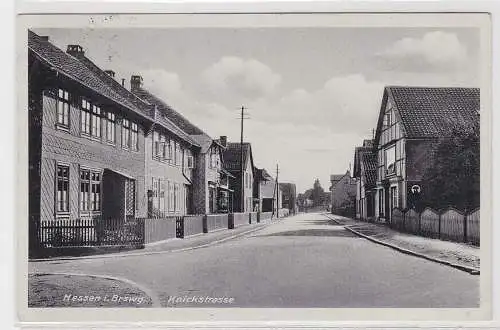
[(256, 165)]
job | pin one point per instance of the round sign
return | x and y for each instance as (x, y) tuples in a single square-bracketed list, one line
[(415, 189)]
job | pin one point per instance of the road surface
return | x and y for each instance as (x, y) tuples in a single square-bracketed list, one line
[(302, 261)]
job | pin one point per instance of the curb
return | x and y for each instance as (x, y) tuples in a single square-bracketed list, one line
[(155, 301), (468, 269), (136, 254)]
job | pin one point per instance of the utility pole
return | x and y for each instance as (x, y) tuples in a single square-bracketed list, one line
[(242, 194), (277, 193)]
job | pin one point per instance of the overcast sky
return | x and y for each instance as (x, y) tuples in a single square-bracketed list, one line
[(313, 94)]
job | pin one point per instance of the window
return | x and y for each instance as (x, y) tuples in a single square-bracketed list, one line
[(170, 187), (90, 190), (125, 133), (390, 158), (156, 144), (162, 153), (95, 196), (190, 161), (85, 117), (156, 188), (63, 108), (62, 190), (96, 121), (110, 127), (394, 197), (134, 134), (176, 197), (162, 197), (178, 154), (170, 150)]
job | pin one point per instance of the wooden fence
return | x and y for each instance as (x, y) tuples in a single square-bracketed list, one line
[(450, 224), (91, 232), (215, 222), (159, 229), (95, 232)]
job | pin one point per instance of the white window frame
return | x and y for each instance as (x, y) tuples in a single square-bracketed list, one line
[(62, 108)]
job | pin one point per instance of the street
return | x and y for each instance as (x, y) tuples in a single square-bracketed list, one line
[(305, 260)]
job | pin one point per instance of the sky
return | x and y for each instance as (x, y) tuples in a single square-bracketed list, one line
[(312, 94)]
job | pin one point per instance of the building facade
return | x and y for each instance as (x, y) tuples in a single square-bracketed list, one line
[(288, 196), (268, 198), (365, 173), (241, 182), (411, 121), (343, 194), (86, 142), (200, 177)]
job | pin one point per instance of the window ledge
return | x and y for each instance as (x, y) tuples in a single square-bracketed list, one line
[(62, 127)]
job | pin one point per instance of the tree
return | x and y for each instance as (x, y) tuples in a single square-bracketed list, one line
[(453, 177)]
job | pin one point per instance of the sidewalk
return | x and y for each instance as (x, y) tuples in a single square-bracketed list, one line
[(459, 255), (176, 244)]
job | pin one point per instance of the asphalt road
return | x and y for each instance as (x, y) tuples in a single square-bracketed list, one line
[(302, 261)]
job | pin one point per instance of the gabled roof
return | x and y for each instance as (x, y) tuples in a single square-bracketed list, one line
[(337, 177), (86, 72), (179, 120), (431, 112), (204, 141), (262, 175), (142, 105), (358, 151), (74, 69), (232, 155), (369, 168)]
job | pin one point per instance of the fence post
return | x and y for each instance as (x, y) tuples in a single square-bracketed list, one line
[(439, 225), (465, 225), (419, 227), (205, 223)]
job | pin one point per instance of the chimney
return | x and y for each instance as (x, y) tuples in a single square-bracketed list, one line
[(111, 73), (223, 140), (44, 38), (135, 82), (123, 82), (75, 50)]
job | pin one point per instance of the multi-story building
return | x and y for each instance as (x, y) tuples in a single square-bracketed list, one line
[(203, 181), (365, 173), (411, 121), (86, 141), (169, 151), (241, 182)]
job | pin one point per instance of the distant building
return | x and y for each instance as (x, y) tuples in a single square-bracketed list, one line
[(266, 196), (411, 121), (289, 196), (343, 194), (365, 173), (242, 183)]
